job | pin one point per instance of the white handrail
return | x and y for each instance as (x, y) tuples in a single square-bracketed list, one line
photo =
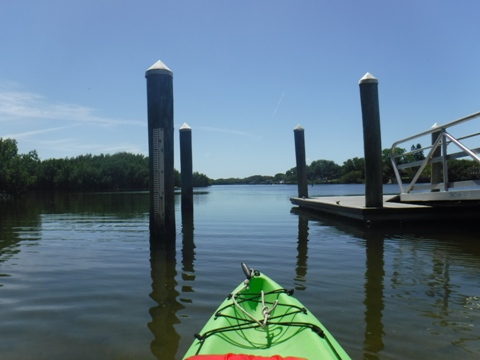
[(440, 145)]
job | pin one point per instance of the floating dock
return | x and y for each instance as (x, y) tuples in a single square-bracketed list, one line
[(393, 210)]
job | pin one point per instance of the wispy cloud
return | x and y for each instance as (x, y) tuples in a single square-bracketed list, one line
[(18, 105), (27, 134), (57, 129), (278, 104)]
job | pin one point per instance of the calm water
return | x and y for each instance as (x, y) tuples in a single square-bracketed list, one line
[(78, 279)]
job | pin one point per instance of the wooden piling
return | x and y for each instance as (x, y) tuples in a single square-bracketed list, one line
[(160, 149), (186, 167), (372, 142), (299, 135)]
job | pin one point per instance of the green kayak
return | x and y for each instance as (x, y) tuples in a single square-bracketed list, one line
[(261, 320)]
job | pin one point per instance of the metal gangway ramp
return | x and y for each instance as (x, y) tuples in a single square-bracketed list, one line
[(425, 178)]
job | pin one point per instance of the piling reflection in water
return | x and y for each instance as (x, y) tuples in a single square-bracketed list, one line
[(163, 271), (431, 284), (302, 253), (188, 253), (440, 284), (374, 298), (415, 284), (374, 273), (375, 289)]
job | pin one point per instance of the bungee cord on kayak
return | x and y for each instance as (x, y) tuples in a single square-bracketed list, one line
[(260, 318), (252, 322), (266, 310)]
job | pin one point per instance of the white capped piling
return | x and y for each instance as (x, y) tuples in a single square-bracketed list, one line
[(372, 142), (186, 165), (160, 150), (299, 135)]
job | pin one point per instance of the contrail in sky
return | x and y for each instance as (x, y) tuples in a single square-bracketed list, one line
[(279, 101)]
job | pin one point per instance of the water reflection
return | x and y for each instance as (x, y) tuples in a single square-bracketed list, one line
[(374, 298), (302, 253), (188, 253), (374, 274), (439, 285), (416, 281), (437, 280), (122, 205), (163, 271), (376, 289), (20, 220)]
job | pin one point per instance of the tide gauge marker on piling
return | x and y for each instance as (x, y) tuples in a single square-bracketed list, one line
[(161, 150)]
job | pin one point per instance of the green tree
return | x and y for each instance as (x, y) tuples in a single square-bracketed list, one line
[(463, 169), (52, 174), (323, 171), (120, 171), (417, 152), (415, 155), (353, 171), (200, 180), (17, 172), (388, 172), (177, 182), (280, 178), (291, 175)]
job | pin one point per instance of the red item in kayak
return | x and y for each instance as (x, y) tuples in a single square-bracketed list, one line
[(241, 357)]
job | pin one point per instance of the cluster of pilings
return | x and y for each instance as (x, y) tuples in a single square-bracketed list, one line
[(372, 144), (161, 156)]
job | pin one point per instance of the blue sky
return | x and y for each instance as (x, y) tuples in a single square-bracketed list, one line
[(72, 75)]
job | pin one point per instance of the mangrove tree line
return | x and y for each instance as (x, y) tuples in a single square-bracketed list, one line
[(126, 171), (120, 171)]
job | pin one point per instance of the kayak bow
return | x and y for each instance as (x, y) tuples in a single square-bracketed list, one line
[(261, 320)]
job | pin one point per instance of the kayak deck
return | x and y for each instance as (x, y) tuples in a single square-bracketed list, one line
[(264, 319)]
